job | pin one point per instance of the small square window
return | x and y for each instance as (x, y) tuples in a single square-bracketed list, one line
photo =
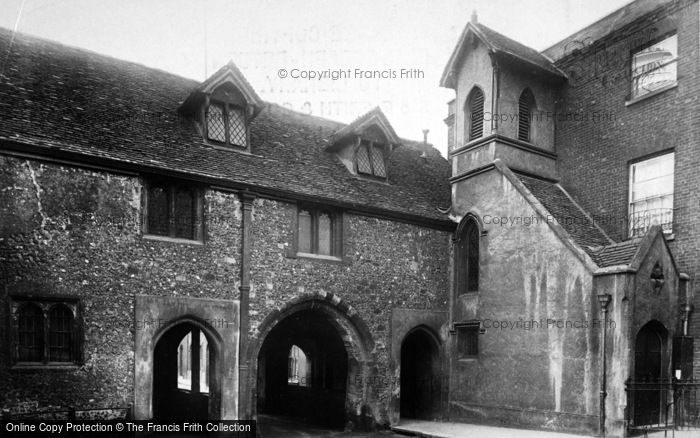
[(45, 331), (467, 341), (655, 66), (174, 210), (319, 231)]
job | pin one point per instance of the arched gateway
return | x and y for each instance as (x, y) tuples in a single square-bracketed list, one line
[(311, 360)]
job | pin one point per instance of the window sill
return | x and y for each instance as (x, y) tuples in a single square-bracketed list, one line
[(172, 239), (651, 94), (227, 147), (58, 366), (468, 359), (319, 257)]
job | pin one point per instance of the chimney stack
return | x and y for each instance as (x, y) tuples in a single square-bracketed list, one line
[(475, 18), (425, 136)]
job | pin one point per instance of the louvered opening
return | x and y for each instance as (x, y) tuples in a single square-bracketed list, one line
[(525, 105), (476, 114)]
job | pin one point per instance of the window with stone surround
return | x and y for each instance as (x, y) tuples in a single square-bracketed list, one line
[(467, 257), (174, 210), (467, 340), (654, 66), (651, 194), (319, 232), (45, 331)]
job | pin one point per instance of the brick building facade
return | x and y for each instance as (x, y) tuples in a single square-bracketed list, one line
[(572, 182)]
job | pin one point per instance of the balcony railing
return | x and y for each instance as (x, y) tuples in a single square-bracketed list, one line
[(641, 221)]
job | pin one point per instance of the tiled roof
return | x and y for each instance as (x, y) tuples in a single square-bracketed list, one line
[(505, 45), (567, 213), (500, 45), (60, 99), (610, 23), (616, 254)]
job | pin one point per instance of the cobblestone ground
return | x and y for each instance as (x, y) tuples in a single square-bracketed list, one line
[(276, 427)]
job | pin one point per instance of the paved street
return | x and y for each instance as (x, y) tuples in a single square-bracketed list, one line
[(276, 427)]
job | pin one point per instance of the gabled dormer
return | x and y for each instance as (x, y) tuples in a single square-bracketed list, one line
[(364, 145), (223, 107)]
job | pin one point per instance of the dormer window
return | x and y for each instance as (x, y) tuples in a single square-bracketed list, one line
[(226, 124), (364, 145), (370, 159), (223, 107)]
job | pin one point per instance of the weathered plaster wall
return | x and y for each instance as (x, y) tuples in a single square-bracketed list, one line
[(634, 304), (543, 376), (388, 264), (66, 231), (475, 69), (512, 84)]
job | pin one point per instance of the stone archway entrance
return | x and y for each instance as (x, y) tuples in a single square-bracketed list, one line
[(420, 376), (328, 370), (303, 370), (161, 325), (649, 369), (185, 382)]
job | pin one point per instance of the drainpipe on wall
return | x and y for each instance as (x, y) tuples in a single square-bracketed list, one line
[(247, 199), (604, 300), (688, 307)]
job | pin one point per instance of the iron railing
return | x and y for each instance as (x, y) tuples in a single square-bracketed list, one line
[(662, 405), (640, 222)]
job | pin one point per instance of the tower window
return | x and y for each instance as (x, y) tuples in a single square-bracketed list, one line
[(526, 103), (474, 121), (467, 258)]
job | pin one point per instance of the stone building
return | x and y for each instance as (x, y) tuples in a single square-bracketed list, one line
[(167, 243), (191, 251), (572, 181)]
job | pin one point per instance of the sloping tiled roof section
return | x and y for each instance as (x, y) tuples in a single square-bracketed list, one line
[(501, 45), (513, 48), (71, 100), (355, 127), (610, 23), (620, 253), (567, 213)]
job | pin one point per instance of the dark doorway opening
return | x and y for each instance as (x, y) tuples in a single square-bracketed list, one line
[(649, 370), (303, 369), (420, 376), (184, 383)]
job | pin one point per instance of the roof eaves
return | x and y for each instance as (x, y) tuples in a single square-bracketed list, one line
[(448, 71)]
